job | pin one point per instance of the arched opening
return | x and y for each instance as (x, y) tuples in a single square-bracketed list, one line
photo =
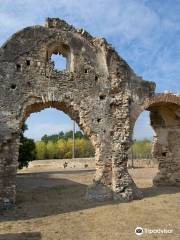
[(165, 119), (60, 56), (56, 136), (60, 62), (56, 131), (164, 166), (141, 163)]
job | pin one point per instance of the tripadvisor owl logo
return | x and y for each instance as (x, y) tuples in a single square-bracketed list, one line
[(139, 231)]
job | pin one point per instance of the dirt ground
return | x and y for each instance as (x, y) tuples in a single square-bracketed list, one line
[(51, 205)]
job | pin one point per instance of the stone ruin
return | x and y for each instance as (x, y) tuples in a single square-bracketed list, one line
[(98, 90)]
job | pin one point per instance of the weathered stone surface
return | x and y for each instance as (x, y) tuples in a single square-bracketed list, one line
[(165, 120), (98, 90)]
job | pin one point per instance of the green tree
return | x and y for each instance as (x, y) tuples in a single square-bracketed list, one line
[(79, 134), (142, 148), (68, 152), (40, 150), (45, 138), (62, 148), (83, 148), (68, 135), (52, 150), (61, 135), (27, 149)]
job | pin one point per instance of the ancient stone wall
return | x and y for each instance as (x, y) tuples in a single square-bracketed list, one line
[(164, 111), (98, 90), (165, 120)]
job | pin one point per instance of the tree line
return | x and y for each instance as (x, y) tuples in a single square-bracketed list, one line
[(59, 146), (141, 149), (55, 146)]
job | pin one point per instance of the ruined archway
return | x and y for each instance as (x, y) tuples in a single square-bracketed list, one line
[(165, 120), (97, 89)]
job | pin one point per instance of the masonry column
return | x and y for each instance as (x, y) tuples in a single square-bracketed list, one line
[(166, 144), (102, 182), (166, 151), (123, 185), (8, 167)]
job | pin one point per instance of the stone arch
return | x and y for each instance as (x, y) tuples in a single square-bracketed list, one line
[(74, 112), (98, 89), (164, 111), (165, 119), (148, 103), (36, 106)]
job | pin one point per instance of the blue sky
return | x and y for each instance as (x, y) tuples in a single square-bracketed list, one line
[(144, 32)]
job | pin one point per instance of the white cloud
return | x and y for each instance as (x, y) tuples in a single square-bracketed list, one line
[(129, 19)]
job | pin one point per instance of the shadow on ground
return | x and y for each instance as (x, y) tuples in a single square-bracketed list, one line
[(63, 172), (154, 191), (21, 236), (61, 196)]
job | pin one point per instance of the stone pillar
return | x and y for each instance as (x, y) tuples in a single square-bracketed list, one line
[(166, 144), (8, 167), (101, 187), (123, 185), (168, 157)]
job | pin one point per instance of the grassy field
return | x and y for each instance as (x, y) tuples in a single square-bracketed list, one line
[(51, 206)]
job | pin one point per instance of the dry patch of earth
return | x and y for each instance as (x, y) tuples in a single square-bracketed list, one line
[(51, 205)]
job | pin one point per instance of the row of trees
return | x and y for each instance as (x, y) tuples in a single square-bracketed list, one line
[(141, 149), (59, 146), (56, 146), (67, 135), (62, 148)]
